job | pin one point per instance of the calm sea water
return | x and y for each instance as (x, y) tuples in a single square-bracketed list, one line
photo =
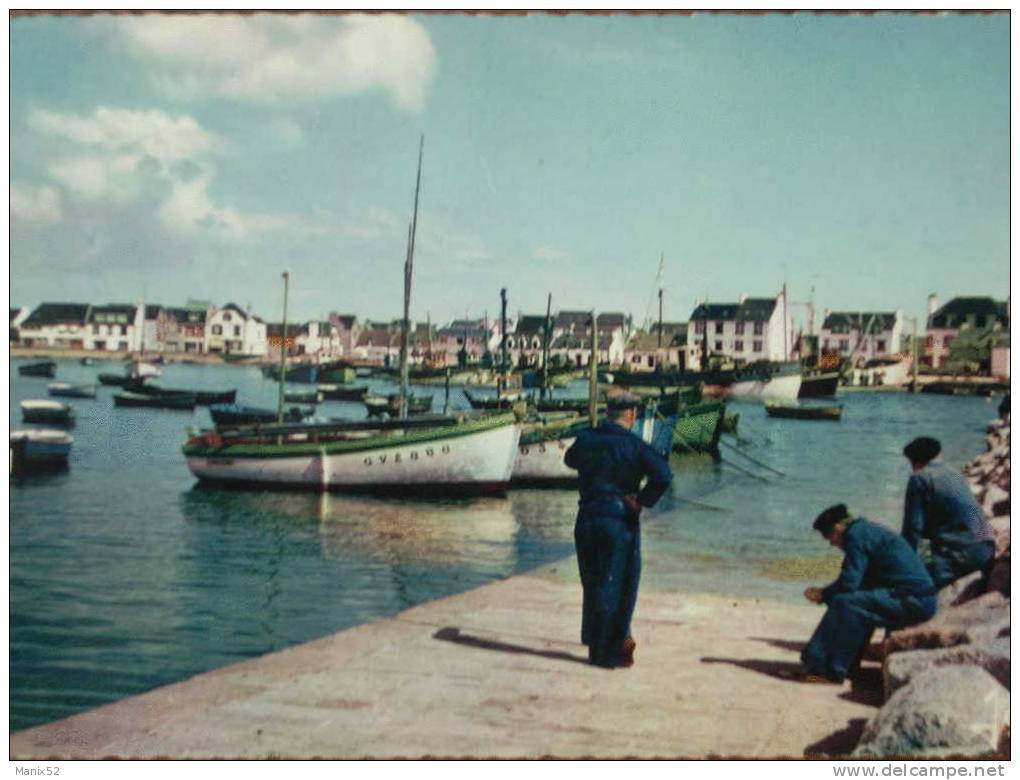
[(126, 575)]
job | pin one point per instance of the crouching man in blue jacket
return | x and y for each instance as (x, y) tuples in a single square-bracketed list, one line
[(611, 463), (882, 583)]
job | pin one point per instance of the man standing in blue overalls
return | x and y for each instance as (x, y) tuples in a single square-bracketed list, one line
[(611, 463)]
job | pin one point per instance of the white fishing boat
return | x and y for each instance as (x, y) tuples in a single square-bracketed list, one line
[(38, 448), (893, 371), (47, 412), (142, 370), (444, 455)]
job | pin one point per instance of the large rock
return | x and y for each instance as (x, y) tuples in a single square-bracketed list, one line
[(998, 580), (995, 500), (1000, 527), (983, 618), (944, 711), (961, 590), (992, 656)]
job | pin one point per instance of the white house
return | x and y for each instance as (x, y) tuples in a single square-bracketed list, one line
[(747, 331), (232, 330), (114, 327), (319, 339), (946, 322), (56, 325), (865, 335)]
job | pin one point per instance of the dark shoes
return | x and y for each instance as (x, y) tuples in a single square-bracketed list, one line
[(625, 660)]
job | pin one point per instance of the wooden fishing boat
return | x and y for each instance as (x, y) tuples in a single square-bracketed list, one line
[(335, 372), (831, 412), (117, 380), (815, 383), (763, 380), (303, 397), (65, 390), (338, 393), (46, 368), (142, 370), (177, 401), (47, 413), (39, 448), (202, 397), (234, 415), (431, 455)]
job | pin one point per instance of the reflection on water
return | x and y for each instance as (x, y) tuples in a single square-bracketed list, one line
[(124, 574)]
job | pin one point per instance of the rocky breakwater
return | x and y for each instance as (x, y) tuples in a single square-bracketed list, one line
[(947, 681)]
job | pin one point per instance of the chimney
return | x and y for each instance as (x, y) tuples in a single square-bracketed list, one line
[(933, 304)]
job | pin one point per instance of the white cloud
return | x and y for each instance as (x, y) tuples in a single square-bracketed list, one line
[(152, 133), (32, 203), (271, 57)]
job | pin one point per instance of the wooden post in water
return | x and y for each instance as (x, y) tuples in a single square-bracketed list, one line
[(913, 342), (593, 373), (283, 351)]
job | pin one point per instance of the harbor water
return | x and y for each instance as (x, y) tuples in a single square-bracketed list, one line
[(126, 575)]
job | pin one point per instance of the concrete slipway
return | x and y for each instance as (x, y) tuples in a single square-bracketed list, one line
[(496, 672)]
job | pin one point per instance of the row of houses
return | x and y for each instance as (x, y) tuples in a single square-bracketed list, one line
[(744, 331)]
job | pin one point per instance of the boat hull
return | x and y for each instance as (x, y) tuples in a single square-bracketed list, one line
[(830, 413), (47, 369), (39, 449), (71, 391), (819, 385), (446, 460)]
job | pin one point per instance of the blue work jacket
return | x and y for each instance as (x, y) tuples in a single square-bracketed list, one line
[(940, 506), (611, 462), (875, 557)]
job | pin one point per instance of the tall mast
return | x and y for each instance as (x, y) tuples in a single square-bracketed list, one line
[(408, 275), (593, 373), (283, 351), (502, 384), (546, 333)]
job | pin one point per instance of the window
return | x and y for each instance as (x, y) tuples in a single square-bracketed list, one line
[(718, 346), (699, 326), (929, 342), (217, 330), (825, 344), (880, 345), (844, 345), (740, 328), (226, 316), (759, 328), (757, 346), (980, 321), (651, 361), (718, 327), (738, 346), (635, 359), (946, 341), (237, 330)]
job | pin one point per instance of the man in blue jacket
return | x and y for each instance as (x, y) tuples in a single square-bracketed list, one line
[(611, 463), (882, 583), (941, 507)]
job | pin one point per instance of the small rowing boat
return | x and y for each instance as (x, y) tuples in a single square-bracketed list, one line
[(831, 412)]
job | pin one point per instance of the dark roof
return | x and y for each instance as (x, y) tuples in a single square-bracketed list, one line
[(961, 310), (238, 309), (573, 320), (378, 338), (715, 311), (574, 342), (152, 311), (531, 323), (472, 332), (186, 315), (57, 313), (750, 310), (14, 313), (845, 321), (125, 312)]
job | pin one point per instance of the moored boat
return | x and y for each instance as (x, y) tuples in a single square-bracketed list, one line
[(141, 370), (39, 448), (235, 415), (441, 455), (338, 393), (46, 368), (202, 397), (181, 401), (498, 401), (390, 404), (816, 383), (116, 380), (65, 390), (47, 412), (790, 411)]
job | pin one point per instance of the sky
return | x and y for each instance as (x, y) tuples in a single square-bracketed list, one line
[(862, 160)]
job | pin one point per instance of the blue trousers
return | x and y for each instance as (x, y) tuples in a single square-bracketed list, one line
[(947, 566), (609, 560), (843, 635)]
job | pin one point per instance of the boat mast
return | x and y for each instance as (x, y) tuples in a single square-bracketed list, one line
[(505, 374), (593, 375), (408, 274), (283, 351), (546, 332)]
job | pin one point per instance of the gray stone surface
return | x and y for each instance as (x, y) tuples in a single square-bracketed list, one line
[(944, 711), (1000, 525), (981, 619), (963, 589), (992, 656)]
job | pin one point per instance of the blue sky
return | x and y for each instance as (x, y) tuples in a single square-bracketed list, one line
[(164, 158)]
